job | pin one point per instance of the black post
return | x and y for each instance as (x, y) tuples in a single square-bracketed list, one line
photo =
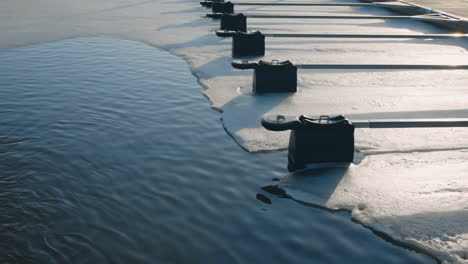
[(329, 141), (210, 3), (326, 139), (234, 22), (248, 44), (275, 77), (221, 7)]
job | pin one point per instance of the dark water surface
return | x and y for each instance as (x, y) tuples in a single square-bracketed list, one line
[(110, 154)]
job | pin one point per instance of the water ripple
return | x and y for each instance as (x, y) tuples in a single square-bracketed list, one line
[(110, 154)]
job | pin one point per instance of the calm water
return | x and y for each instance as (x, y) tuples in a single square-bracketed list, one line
[(110, 154)]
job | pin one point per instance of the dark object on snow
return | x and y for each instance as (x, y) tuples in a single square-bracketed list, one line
[(214, 15), (225, 33), (248, 44), (327, 139), (234, 22), (210, 3), (224, 8), (244, 65), (275, 77)]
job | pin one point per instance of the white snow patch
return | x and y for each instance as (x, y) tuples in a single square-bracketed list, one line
[(419, 198)]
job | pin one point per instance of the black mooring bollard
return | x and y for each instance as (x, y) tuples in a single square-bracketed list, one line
[(331, 139), (234, 22), (275, 77), (223, 7), (327, 139), (210, 3), (248, 44)]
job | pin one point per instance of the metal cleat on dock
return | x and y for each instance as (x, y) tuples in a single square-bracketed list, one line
[(233, 22), (271, 77), (331, 139), (281, 77), (326, 139), (248, 44), (223, 7), (210, 3)]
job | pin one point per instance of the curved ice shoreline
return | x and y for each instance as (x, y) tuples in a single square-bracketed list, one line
[(448, 243), (208, 56)]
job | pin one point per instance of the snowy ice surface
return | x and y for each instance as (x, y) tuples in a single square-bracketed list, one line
[(409, 183)]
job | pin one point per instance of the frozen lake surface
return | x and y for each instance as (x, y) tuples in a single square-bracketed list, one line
[(410, 184)]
